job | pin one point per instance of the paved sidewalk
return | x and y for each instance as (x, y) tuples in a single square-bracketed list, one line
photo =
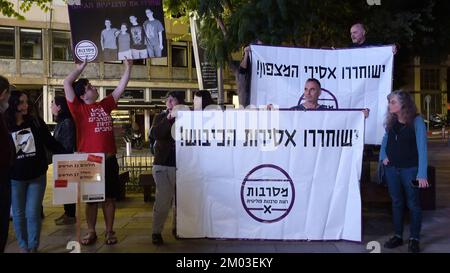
[(134, 218)]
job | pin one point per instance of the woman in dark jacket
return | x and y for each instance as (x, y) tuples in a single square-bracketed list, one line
[(164, 164), (28, 175), (65, 134)]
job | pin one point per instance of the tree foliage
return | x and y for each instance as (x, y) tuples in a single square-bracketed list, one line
[(8, 9), (229, 25)]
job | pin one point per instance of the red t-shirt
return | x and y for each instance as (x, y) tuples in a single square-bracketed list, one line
[(94, 125)]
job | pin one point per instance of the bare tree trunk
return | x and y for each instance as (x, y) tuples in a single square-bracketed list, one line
[(222, 26)]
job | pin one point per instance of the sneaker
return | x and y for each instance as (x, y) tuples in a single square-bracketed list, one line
[(65, 220), (413, 246), (157, 239), (393, 242)]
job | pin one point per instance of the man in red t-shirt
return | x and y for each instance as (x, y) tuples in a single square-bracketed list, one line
[(95, 135)]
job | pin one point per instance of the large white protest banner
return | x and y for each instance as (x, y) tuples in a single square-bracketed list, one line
[(70, 169), (291, 175), (350, 78)]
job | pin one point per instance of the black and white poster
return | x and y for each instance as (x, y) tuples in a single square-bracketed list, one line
[(114, 30)]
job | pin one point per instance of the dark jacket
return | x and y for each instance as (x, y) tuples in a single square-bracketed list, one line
[(30, 139), (65, 134), (7, 152), (164, 144)]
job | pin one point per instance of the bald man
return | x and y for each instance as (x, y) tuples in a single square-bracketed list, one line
[(358, 36)]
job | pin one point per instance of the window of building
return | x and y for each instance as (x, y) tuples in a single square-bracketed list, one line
[(7, 42), (159, 95), (62, 46), (30, 44), (140, 62), (179, 56), (159, 61), (429, 79)]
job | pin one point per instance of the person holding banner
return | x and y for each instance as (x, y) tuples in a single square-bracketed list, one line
[(244, 76), (28, 175), (164, 164), (65, 134), (404, 155), (311, 96), (358, 36), (95, 135), (6, 160)]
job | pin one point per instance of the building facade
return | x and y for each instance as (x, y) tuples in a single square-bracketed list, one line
[(36, 56)]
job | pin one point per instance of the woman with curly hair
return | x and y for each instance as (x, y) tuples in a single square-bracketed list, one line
[(404, 155)]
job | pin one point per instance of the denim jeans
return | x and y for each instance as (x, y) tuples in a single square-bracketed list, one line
[(26, 200), (399, 185)]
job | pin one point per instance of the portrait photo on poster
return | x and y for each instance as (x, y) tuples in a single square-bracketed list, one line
[(115, 30)]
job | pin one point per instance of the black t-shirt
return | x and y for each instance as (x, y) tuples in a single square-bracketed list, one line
[(401, 146)]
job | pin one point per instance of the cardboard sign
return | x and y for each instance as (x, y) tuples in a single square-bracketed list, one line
[(70, 169)]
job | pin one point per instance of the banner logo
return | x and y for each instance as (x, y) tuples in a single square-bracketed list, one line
[(267, 193), (86, 50)]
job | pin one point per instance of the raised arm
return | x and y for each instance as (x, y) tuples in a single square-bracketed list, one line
[(68, 89), (124, 80), (246, 57)]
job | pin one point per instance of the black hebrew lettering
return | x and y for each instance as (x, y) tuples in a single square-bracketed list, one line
[(276, 70), (363, 72), (266, 191), (206, 133), (329, 138), (290, 137)]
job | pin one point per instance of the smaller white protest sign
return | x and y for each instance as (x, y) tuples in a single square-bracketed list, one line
[(70, 169)]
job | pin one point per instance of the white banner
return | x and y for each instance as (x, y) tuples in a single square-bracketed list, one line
[(71, 169), (350, 78), (269, 174)]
